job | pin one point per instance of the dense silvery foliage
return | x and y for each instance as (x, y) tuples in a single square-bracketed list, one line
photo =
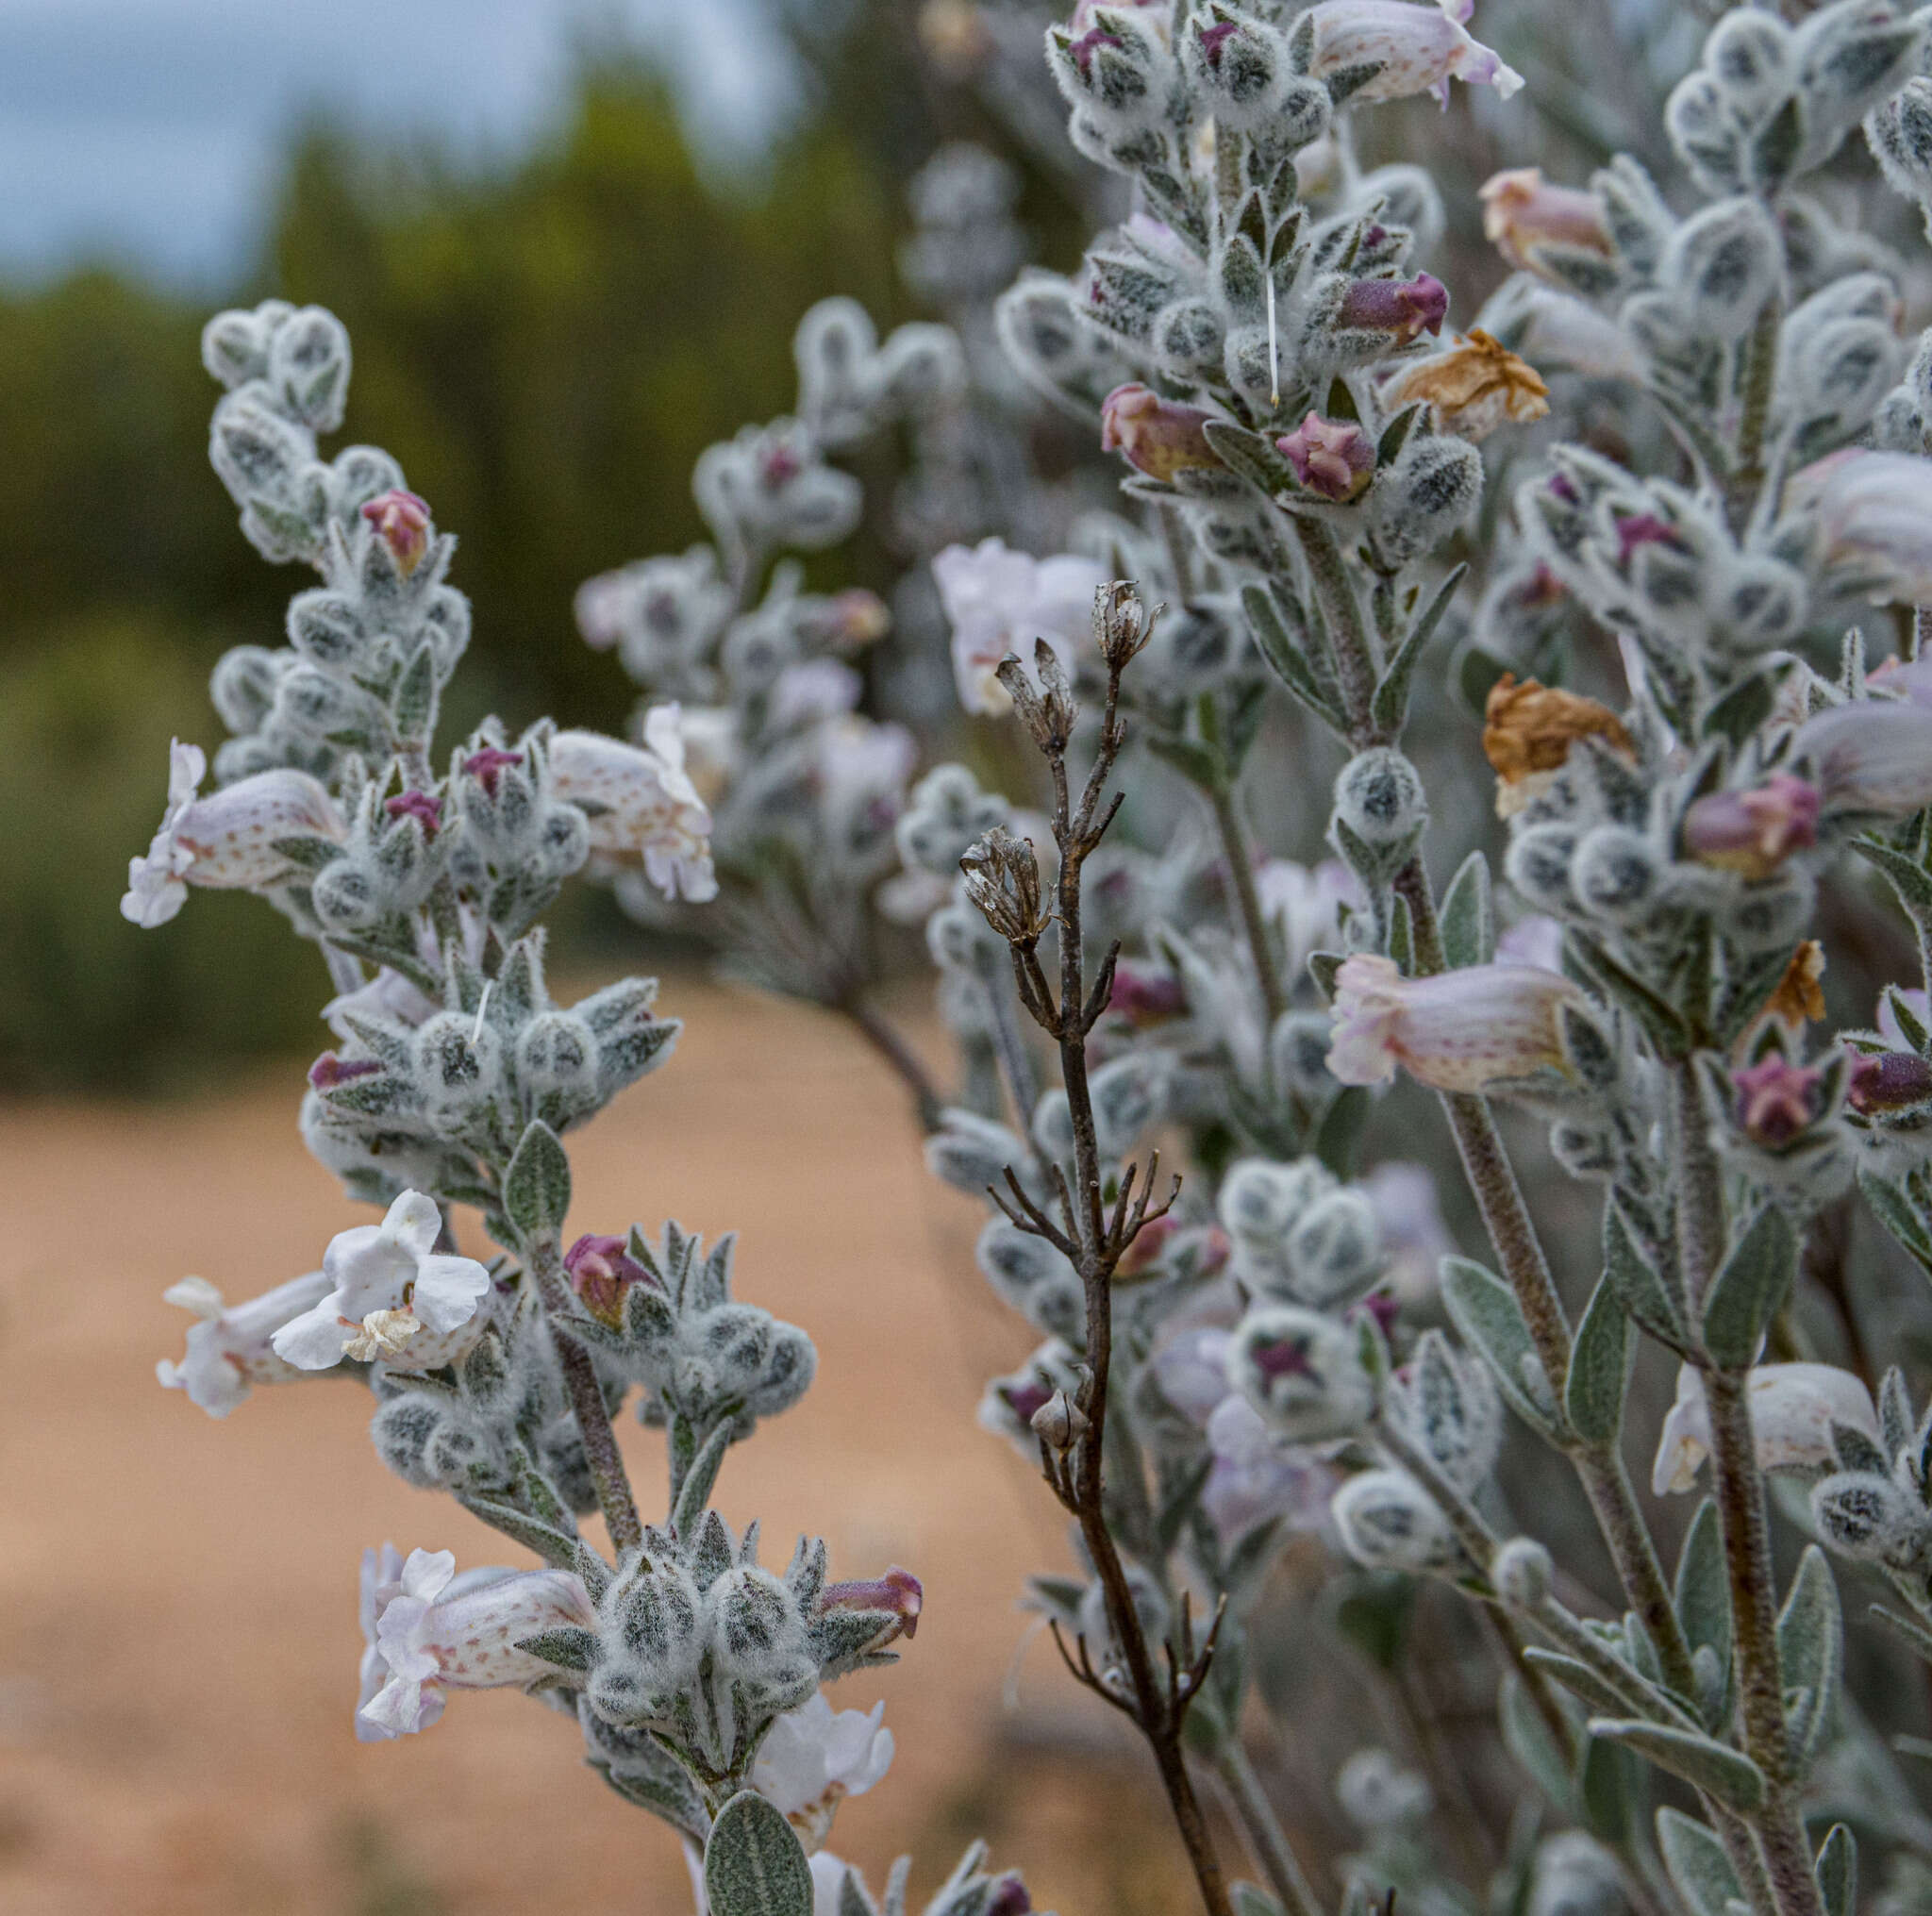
[(1660, 516), (693, 1671)]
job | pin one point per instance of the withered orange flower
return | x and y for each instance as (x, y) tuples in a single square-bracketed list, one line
[(1800, 995), (1474, 384), (1527, 732)]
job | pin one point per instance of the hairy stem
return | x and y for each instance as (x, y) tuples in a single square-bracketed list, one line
[(885, 1038), (1265, 1835), (1519, 1251), (1240, 863), (587, 1402), (1348, 633), (1746, 1525)]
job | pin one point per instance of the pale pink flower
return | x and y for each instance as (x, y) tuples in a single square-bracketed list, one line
[(428, 1630), (1458, 1031), (1754, 832), (226, 839), (402, 523), (1419, 49), (998, 601), (230, 1348), (1332, 456), (1522, 212), (641, 801), (1793, 1409), (1869, 756), (1158, 436), (815, 1756), (381, 1277), (1874, 512)]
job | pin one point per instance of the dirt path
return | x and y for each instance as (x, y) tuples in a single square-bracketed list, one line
[(177, 1598)]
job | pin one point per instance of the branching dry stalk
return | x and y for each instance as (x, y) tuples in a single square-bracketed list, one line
[(1092, 1235)]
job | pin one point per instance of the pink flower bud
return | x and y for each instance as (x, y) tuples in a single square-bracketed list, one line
[(1090, 43), (402, 523), (859, 618), (1011, 1898), (1332, 456), (1754, 832), (1158, 436), (423, 807), (1145, 995), (898, 1592), (1888, 1081), (486, 766), (1776, 1099), (1458, 1031), (1214, 37), (1283, 1357), (1401, 306), (328, 1071), (601, 1271), (1643, 528), (1522, 214)]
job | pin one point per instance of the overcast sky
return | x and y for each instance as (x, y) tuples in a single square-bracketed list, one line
[(149, 131)]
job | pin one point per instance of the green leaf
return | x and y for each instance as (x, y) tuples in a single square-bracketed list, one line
[(1749, 1287), (1810, 1651), (1703, 1591), (1660, 1019), (536, 1187), (1528, 1738), (1600, 1363), (1742, 710), (1469, 916), (415, 702), (1474, 672), (1837, 1870), (1286, 659), (1694, 1855), (1776, 150), (1390, 704), (1909, 878), (1339, 1134), (1197, 763), (1638, 1282), (1395, 434), (1323, 966), (753, 1864), (1727, 1773), (1485, 1310), (694, 1491), (1252, 455), (1615, 1788), (569, 1649), (1899, 1215), (1578, 1677)]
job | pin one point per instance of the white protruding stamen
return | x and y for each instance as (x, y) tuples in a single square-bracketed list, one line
[(1274, 353), (482, 1006)]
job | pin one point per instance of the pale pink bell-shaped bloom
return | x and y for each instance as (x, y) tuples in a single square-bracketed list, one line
[(427, 1630), (229, 1349), (1793, 1409), (1156, 435), (998, 601), (1334, 458), (1754, 832), (1521, 213), (378, 1270), (1306, 902), (1420, 49), (640, 801), (1458, 1031), (815, 1756), (1776, 1098), (1190, 1368), (226, 839), (1874, 512), (1256, 1476), (1869, 756)]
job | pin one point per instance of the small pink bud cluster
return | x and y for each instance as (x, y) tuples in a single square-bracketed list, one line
[(402, 523), (601, 1271)]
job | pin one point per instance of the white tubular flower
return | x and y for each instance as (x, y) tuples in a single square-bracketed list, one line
[(1874, 512), (426, 1630), (1793, 1409), (379, 1274), (1306, 902), (229, 1350), (815, 1756), (1458, 1031), (1419, 49), (1869, 756), (226, 840), (998, 602), (639, 800)]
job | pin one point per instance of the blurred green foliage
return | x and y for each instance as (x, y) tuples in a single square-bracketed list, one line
[(546, 347)]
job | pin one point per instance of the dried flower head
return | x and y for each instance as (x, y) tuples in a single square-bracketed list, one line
[(1528, 729), (1003, 879), (1474, 384)]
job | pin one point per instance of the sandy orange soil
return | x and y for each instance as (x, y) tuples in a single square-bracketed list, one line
[(177, 1598)]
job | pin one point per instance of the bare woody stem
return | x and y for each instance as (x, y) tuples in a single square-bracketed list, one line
[(587, 1401), (1094, 1237), (1778, 1824)]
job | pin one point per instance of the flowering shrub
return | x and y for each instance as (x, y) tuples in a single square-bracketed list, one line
[(1280, 1351)]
